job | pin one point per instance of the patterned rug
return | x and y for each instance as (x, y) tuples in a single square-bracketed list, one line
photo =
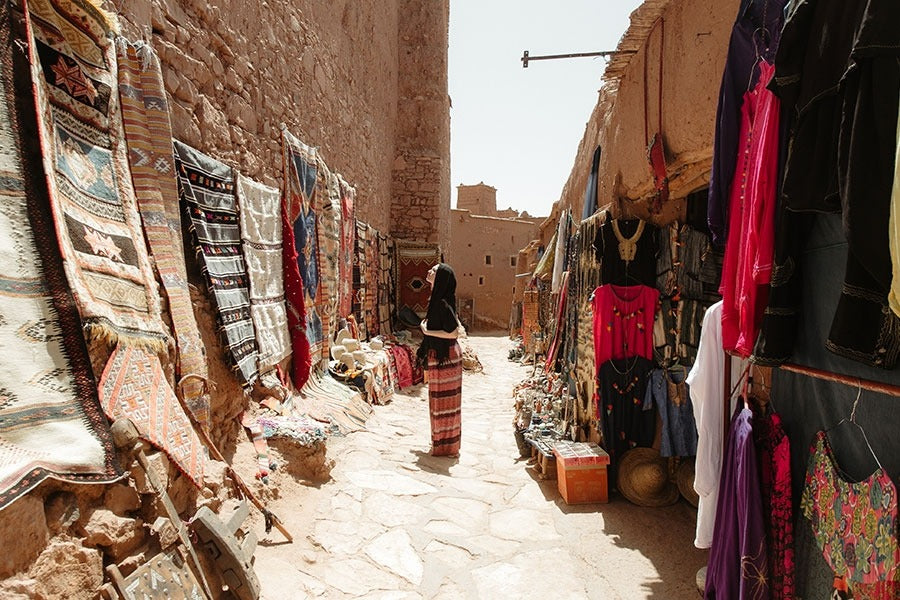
[(413, 261), (91, 194), (260, 217), (50, 420), (300, 175), (207, 190), (360, 273), (348, 249), (329, 238), (148, 135), (134, 386), (385, 284), (373, 268)]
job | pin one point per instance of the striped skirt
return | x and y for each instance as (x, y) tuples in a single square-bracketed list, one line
[(445, 401)]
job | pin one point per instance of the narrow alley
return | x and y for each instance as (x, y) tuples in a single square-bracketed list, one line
[(395, 522)]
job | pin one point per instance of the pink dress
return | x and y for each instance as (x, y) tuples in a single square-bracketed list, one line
[(623, 322), (747, 269)]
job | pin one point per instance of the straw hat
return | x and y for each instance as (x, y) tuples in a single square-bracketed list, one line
[(342, 335), (337, 351), (684, 477), (644, 478), (351, 344)]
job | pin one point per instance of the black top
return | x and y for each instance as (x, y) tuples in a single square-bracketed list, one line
[(641, 269)]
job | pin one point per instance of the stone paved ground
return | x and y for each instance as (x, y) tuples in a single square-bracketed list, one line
[(395, 522)]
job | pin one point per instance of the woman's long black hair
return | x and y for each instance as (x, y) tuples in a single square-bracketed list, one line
[(441, 314)]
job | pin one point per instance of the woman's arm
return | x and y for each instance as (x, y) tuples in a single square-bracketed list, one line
[(438, 333)]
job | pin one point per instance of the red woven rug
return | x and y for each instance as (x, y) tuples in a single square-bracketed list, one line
[(413, 261)]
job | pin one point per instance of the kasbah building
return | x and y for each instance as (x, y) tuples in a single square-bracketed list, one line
[(366, 84)]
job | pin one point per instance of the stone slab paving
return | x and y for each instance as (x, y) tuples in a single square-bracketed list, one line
[(396, 523)]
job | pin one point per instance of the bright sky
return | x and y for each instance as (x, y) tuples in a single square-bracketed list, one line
[(518, 129)]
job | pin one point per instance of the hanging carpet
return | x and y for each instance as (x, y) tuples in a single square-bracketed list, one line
[(206, 187), (385, 284), (260, 217), (148, 135), (134, 386), (300, 174), (373, 267), (329, 240), (51, 425), (413, 261), (91, 196), (348, 248)]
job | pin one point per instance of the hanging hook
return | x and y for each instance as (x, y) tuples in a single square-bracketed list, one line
[(856, 402)]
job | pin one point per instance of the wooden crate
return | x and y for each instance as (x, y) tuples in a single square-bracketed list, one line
[(581, 472)]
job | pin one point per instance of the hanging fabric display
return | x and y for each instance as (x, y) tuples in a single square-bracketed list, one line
[(300, 175), (385, 285), (360, 279), (148, 133), (413, 261), (51, 424), (329, 243), (133, 386), (207, 190), (260, 218), (348, 248), (91, 194)]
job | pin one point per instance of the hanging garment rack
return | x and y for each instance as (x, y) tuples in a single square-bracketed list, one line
[(865, 384)]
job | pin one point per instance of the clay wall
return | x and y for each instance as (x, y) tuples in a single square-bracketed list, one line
[(694, 45), (491, 285), (479, 199)]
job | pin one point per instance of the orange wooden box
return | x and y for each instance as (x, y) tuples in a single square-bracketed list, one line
[(581, 472)]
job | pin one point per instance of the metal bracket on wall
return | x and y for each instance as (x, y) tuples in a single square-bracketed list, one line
[(605, 54)]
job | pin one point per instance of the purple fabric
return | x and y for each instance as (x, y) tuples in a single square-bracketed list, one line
[(739, 76), (738, 559)]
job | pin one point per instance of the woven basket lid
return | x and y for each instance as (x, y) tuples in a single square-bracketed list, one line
[(684, 478), (644, 478)]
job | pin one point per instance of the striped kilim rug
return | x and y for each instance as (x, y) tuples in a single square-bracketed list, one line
[(300, 174), (260, 216), (91, 195), (148, 135), (413, 261), (207, 189), (134, 386), (385, 284), (50, 420)]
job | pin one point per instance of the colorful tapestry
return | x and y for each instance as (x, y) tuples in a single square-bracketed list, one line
[(373, 267), (260, 218), (360, 273), (206, 187), (91, 196), (413, 261), (329, 238), (348, 248), (385, 284), (148, 135), (294, 297), (300, 175), (50, 420), (133, 386)]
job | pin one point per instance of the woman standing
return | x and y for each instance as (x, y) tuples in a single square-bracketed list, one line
[(441, 355)]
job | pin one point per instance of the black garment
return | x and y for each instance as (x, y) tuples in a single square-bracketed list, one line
[(848, 111), (622, 385), (639, 271), (441, 315)]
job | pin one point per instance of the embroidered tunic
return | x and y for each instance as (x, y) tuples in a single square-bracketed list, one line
[(855, 524), (623, 322)]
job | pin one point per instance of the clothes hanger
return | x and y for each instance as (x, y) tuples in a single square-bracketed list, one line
[(766, 38), (852, 421)]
